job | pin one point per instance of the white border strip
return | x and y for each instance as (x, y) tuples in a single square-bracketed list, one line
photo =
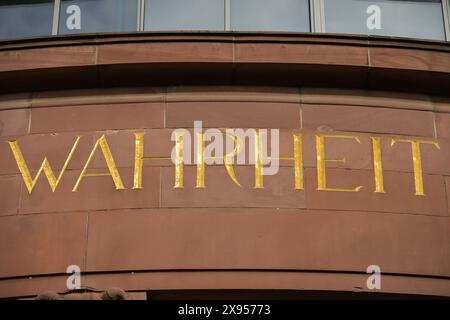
[(317, 15), (446, 10), (227, 5), (141, 15), (56, 9)]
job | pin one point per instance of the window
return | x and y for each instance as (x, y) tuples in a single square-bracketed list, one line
[(25, 18), (184, 15), (415, 19), (422, 19), (88, 16), (270, 15)]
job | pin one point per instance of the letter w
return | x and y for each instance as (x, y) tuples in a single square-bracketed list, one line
[(30, 182)]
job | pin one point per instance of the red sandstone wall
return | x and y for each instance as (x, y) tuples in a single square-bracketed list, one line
[(276, 238)]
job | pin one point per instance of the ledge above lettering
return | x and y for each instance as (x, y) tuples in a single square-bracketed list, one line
[(224, 58)]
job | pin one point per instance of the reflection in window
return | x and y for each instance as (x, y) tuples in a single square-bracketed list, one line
[(88, 16), (184, 15), (270, 15), (415, 19), (25, 18)]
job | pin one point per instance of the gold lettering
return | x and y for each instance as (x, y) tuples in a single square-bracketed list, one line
[(321, 162), (297, 158), (200, 161), (417, 160), (259, 178), (113, 172), (139, 159), (45, 166), (298, 161), (179, 160), (228, 159), (377, 164)]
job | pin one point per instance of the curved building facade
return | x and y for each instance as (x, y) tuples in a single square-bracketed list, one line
[(255, 159)]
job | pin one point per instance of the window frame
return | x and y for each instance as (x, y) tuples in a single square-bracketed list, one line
[(56, 12)]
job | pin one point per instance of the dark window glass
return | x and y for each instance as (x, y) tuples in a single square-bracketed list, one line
[(415, 19), (270, 15), (184, 15), (89, 16), (25, 18)]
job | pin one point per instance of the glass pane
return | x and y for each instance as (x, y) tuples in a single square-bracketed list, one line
[(271, 15), (184, 15), (25, 18), (89, 16), (416, 19)]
